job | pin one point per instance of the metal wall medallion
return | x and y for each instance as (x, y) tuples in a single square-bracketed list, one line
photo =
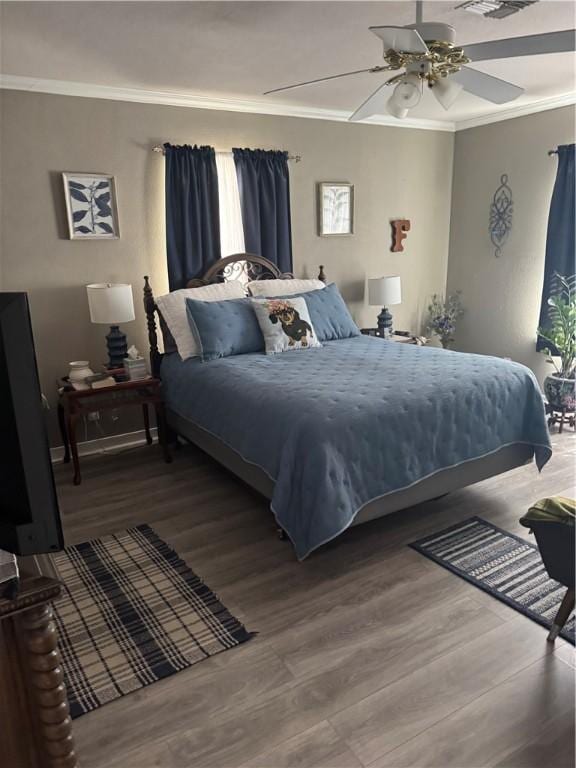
[(501, 210)]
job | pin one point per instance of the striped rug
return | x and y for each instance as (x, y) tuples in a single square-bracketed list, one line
[(131, 613), (506, 566)]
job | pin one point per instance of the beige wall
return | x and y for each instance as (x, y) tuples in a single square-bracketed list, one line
[(502, 295), (397, 173)]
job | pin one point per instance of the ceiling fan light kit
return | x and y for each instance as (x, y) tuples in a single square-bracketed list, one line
[(395, 110), (446, 91), (408, 92), (427, 52)]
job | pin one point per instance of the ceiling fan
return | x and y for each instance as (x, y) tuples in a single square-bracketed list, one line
[(427, 54)]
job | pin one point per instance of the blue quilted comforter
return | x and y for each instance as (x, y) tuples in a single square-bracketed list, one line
[(339, 426)]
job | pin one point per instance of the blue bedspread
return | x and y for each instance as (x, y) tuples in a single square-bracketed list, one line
[(339, 426)]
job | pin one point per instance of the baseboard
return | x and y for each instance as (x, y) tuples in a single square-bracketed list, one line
[(105, 444)]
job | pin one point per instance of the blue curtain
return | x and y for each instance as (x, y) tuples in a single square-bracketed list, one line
[(192, 215), (264, 185), (560, 238)]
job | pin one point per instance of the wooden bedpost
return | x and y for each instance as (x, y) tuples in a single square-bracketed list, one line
[(150, 309), (321, 275)]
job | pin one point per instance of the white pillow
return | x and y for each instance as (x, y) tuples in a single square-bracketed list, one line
[(283, 287), (285, 324), (173, 309)]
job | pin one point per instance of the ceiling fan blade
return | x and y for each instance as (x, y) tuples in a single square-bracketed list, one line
[(486, 86), (400, 39), (530, 45), (323, 79), (374, 104)]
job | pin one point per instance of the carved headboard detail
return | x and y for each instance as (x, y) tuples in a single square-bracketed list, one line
[(241, 266)]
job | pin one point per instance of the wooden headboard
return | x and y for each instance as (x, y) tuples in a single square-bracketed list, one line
[(241, 265)]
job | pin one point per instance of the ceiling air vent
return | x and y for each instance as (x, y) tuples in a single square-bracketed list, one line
[(496, 9)]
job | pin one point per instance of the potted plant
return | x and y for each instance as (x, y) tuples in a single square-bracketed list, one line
[(560, 387), (443, 314)]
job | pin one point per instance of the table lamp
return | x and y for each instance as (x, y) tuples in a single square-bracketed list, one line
[(383, 292), (112, 304)]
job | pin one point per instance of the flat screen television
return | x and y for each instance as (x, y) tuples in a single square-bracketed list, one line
[(29, 514)]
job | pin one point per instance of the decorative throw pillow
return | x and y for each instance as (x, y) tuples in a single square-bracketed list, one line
[(224, 328), (283, 287), (285, 324), (172, 306), (329, 314)]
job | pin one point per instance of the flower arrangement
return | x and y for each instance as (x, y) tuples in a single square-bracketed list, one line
[(278, 305), (443, 314)]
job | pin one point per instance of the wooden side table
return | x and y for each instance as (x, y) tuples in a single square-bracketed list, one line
[(74, 403), (418, 341)]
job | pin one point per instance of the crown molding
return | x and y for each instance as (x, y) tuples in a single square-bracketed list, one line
[(196, 101), (521, 110)]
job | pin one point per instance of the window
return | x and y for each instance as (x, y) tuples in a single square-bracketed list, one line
[(231, 229)]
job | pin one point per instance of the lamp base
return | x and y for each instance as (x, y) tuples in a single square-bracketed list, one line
[(117, 347), (385, 324)]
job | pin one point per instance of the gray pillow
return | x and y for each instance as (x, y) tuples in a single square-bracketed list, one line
[(224, 328)]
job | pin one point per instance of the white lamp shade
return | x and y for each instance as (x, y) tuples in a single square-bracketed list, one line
[(446, 91), (396, 111), (384, 291), (110, 303), (408, 92)]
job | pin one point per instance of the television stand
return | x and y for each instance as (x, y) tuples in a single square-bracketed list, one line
[(36, 726)]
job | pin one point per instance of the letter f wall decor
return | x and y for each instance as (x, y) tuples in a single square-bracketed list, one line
[(400, 229)]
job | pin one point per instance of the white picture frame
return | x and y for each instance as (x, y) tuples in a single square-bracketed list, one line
[(335, 208), (91, 206)]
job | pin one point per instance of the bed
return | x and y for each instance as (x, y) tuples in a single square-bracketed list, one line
[(352, 431)]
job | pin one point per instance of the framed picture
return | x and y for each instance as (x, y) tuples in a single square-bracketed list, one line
[(335, 208), (91, 206)]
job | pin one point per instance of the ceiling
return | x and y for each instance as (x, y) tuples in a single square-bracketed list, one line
[(237, 50)]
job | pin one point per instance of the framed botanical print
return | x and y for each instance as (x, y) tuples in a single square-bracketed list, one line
[(91, 206), (335, 208)]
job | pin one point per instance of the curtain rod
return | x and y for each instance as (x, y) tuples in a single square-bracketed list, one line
[(160, 149), (552, 152)]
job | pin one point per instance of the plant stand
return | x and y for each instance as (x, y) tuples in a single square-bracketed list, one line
[(560, 417)]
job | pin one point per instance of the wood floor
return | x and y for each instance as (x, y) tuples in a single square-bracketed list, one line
[(368, 654)]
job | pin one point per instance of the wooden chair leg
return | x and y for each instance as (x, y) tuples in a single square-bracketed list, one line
[(564, 612)]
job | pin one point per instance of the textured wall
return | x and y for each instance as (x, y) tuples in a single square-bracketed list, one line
[(396, 172), (502, 295)]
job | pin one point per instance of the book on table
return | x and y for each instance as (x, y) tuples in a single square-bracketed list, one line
[(100, 380)]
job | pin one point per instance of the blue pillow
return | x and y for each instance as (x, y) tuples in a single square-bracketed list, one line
[(329, 314), (224, 328)]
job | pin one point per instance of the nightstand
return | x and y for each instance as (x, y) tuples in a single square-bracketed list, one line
[(74, 403), (401, 338)]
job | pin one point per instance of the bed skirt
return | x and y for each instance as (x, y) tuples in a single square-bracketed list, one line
[(442, 482)]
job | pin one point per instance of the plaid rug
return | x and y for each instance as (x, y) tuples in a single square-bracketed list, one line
[(131, 613), (506, 566)]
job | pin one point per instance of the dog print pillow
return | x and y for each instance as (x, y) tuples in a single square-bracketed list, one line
[(285, 324)]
